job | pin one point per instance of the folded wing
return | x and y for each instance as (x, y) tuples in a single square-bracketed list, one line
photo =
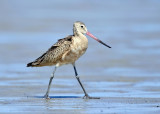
[(53, 54)]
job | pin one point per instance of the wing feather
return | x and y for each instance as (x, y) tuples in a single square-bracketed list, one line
[(53, 54)]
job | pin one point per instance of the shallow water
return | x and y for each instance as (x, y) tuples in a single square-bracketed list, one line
[(126, 77)]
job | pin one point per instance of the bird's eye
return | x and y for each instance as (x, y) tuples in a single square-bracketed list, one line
[(81, 26)]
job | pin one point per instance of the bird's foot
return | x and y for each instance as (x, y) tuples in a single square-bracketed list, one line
[(88, 97), (46, 97)]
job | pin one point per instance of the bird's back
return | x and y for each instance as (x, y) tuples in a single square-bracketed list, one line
[(54, 54)]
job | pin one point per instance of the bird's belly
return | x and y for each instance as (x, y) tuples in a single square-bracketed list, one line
[(73, 54)]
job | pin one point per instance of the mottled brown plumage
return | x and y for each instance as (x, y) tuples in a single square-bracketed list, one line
[(54, 54), (66, 51)]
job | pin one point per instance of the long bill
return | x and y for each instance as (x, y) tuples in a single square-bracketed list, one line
[(89, 34)]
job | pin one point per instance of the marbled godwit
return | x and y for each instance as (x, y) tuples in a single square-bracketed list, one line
[(67, 51)]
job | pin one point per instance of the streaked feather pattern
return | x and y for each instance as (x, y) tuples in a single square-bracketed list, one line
[(53, 54)]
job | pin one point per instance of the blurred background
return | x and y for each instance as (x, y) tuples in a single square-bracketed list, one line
[(132, 28), (130, 69)]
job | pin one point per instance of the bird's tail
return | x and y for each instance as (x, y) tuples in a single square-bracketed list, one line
[(33, 64), (30, 64), (37, 62)]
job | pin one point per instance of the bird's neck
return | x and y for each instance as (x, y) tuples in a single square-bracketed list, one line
[(77, 33)]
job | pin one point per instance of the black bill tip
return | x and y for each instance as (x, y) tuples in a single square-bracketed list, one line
[(104, 44)]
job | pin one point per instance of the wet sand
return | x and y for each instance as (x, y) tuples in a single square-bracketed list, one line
[(24, 95), (126, 77)]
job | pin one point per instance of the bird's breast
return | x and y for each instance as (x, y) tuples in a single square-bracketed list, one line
[(78, 47)]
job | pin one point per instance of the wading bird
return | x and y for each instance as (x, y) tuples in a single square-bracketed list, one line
[(67, 51)]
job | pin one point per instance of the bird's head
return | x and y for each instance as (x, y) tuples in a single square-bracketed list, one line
[(79, 28)]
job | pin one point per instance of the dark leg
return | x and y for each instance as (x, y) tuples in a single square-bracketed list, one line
[(77, 77), (49, 85)]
